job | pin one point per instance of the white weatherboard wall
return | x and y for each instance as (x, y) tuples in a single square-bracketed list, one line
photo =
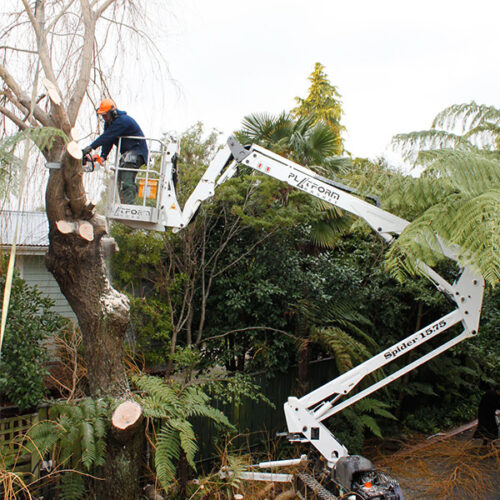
[(32, 269), (32, 244)]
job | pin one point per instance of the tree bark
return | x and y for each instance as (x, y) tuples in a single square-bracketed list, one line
[(78, 266)]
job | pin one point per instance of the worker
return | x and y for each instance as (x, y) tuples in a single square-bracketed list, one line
[(134, 152), (487, 426)]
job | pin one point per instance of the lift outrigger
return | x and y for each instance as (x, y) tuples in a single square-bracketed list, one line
[(159, 209)]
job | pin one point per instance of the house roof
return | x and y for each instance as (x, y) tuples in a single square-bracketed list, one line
[(32, 232)]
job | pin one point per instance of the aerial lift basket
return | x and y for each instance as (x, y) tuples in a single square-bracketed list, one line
[(155, 187)]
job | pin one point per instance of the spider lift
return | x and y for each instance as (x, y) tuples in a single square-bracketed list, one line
[(342, 474)]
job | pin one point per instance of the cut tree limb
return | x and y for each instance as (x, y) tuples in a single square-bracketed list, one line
[(126, 419), (54, 95), (74, 150), (99, 224), (81, 227), (109, 246)]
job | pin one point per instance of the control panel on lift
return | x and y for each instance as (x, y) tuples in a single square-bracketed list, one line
[(155, 195)]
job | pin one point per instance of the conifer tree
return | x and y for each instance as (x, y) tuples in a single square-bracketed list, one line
[(322, 104)]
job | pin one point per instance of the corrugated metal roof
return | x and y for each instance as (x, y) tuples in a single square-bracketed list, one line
[(33, 228)]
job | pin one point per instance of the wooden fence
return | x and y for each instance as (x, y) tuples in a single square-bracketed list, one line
[(13, 452)]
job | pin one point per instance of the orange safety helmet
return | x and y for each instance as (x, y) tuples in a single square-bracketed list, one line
[(105, 106)]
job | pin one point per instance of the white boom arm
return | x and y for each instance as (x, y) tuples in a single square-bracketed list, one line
[(304, 415)]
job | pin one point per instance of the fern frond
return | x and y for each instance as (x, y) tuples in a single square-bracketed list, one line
[(71, 487), (196, 402), (344, 347), (100, 452), (167, 452), (42, 437), (465, 116), (88, 444), (100, 427), (470, 223), (467, 172), (418, 388), (156, 407), (164, 395), (409, 145), (326, 232), (475, 229), (187, 439), (374, 406), (370, 423)]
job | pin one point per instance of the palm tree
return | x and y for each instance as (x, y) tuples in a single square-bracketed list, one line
[(311, 143), (303, 140)]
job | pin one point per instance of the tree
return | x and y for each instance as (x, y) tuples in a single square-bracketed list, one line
[(180, 270), (68, 65), (322, 104), (303, 140)]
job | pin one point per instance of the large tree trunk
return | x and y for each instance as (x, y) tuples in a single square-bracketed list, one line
[(76, 261), (75, 231)]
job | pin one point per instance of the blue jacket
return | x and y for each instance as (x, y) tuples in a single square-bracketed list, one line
[(122, 125)]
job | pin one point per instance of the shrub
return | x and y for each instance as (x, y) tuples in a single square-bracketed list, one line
[(30, 320)]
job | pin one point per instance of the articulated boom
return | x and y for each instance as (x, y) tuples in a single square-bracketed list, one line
[(304, 415)]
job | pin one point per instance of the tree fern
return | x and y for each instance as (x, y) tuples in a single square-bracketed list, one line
[(461, 219), (458, 195)]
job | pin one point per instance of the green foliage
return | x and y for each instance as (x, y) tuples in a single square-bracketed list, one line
[(247, 261), (431, 419), (151, 323), (470, 119), (356, 421), (71, 487), (322, 104), (161, 279), (458, 192), (30, 321), (309, 142), (236, 389), (170, 406), (75, 438), (347, 351), (303, 140)]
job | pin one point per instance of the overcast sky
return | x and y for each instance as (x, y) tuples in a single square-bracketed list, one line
[(395, 63)]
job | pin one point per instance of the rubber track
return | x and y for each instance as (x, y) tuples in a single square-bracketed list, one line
[(317, 488)]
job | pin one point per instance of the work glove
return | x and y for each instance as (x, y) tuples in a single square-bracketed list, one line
[(86, 151)]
